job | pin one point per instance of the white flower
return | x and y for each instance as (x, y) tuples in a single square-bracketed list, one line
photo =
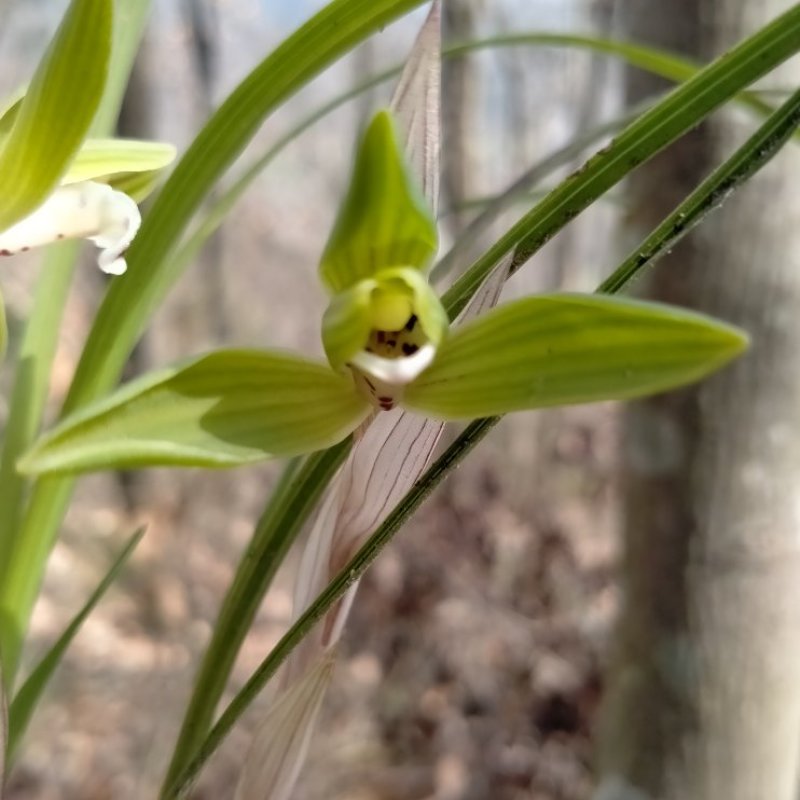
[(86, 210)]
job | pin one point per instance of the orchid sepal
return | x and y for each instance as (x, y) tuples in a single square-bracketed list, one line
[(223, 409), (384, 219), (565, 349), (234, 407)]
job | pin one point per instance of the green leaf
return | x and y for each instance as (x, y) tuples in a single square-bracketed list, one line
[(27, 698), (8, 116), (563, 349), (99, 158), (384, 220), (730, 176), (57, 109), (226, 408)]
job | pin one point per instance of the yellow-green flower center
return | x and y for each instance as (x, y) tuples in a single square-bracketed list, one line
[(390, 309)]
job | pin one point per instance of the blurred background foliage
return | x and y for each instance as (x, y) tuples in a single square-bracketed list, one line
[(476, 658)]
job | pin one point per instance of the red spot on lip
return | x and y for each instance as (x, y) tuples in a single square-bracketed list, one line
[(5, 252)]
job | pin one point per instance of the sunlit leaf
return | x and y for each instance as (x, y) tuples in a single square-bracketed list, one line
[(384, 220), (29, 694), (99, 158), (561, 349), (57, 109), (226, 408)]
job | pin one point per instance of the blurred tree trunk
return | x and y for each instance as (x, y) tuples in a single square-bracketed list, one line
[(703, 700)]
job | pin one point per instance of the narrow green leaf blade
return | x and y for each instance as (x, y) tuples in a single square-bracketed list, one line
[(27, 698), (562, 349), (288, 508), (223, 409), (55, 114), (384, 220), (99, 158)]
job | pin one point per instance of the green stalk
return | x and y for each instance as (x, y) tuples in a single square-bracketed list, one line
[(753, 155), (289, 506)]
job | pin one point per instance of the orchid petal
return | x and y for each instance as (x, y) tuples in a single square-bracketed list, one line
[(226, 408), (562, 349), (100, 158), (384, 220), (347, 323), (392, 304), (88, 210)]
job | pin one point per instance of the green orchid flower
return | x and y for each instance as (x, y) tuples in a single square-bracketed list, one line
[(88, 205), (384, 321), (388, 342)]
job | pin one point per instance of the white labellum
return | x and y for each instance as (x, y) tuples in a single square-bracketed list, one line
[(85, 210)]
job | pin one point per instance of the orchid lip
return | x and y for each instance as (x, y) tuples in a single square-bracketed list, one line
[(87, 210), (395, 371)]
